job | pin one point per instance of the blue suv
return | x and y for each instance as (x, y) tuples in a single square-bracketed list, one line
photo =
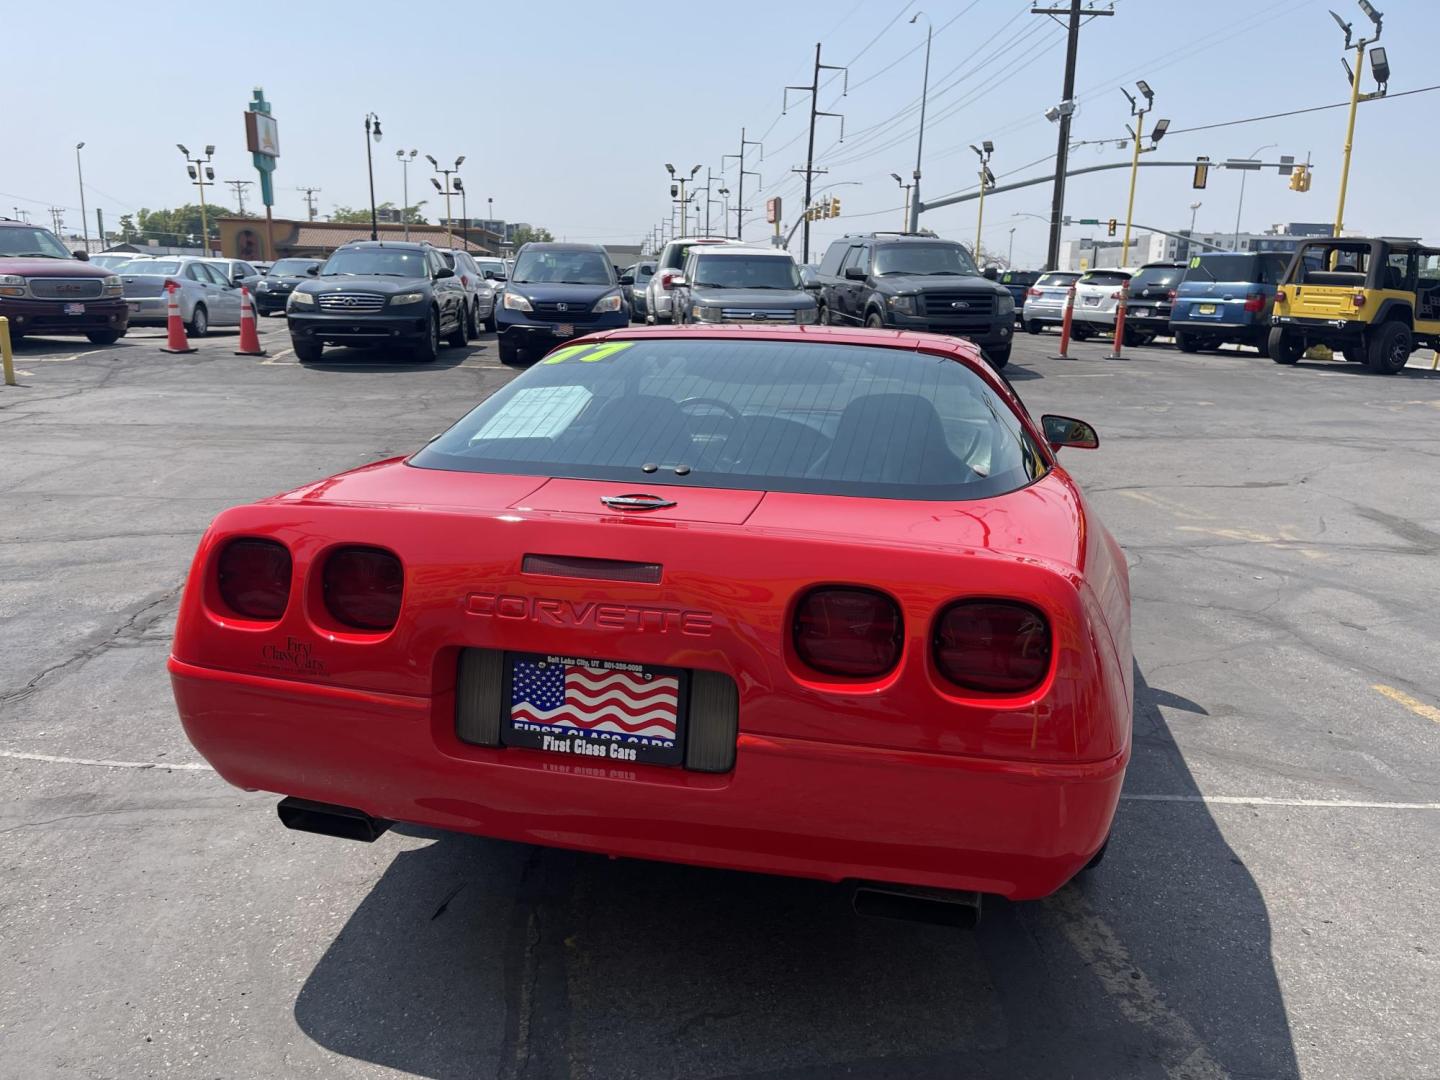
[(1226, 297), (558, 292)]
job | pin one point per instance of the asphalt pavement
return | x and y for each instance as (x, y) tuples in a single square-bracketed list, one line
[(1264, 909)]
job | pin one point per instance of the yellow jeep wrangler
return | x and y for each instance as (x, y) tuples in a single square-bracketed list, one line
[(1374, 301)]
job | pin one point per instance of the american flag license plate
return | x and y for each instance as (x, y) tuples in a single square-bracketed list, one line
[(565, 330), (597, 712)]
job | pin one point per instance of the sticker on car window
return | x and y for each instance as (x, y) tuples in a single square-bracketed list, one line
[(539, 412), (1194, 261), (587, 354)]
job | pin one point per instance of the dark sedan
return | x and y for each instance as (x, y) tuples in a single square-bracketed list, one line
[(273, 290)]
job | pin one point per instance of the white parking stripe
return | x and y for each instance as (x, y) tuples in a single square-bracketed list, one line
[(53, 759)]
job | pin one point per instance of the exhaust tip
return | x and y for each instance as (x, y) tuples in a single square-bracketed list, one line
[(328, 819), (936, 907)]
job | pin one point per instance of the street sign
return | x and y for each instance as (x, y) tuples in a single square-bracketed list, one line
[(1287, 164), (1242, 163), (262, 139), (772, 210), (1089, 221)]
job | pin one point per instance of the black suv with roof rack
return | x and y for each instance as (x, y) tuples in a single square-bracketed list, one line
[(911, 282), (45, 290), (379, 292)]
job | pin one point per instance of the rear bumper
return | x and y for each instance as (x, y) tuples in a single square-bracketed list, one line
[(1229, 331), (48, 316), (1338, 327), (794, 807)]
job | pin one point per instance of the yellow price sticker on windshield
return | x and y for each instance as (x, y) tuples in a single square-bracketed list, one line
[(1194, 261), (587, 354)]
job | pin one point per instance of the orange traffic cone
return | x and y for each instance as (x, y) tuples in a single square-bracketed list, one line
[(175, 339), (249, 336)]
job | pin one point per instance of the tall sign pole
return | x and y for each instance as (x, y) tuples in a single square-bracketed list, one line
[(262, 139)]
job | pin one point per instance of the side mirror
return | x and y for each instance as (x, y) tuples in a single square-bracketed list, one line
[(238, 279), (678, 282), (444, 272), (627, 279), (990, 273), (313, 271), (1067, 431), (83, 256), (855, 273)]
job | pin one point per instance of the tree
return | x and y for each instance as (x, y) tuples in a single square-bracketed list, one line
[(384, 212), (175, 228), (526, 234)]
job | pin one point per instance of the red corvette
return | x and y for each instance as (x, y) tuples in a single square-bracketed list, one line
[(792, 600)]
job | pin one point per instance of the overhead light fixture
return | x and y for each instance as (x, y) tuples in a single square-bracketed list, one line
[(457, 184), (437, 185), (181, 148), (460, 161), (210, 150), (695, 170), (1349, 75), (432, 161), (1370, 13), (1378, 64), (1343, 25), (670, 168), (1144, 88), (80, 146), (1161, 126), (989, 146)]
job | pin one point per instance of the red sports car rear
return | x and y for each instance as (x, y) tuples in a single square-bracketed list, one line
[(797, 601)]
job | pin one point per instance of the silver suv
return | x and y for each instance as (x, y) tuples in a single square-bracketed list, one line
[(668, 267), (479, 290)]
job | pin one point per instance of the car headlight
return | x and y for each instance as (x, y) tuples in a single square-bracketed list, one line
[(609, 303), (807, 315), (262, 285), (400, 299), (516, 302), (1006, 304), (12, 285), (703, 313), (905, 305), (302, 299)]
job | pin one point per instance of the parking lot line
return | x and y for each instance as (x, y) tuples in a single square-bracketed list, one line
[(54, 759), (1415, 705)]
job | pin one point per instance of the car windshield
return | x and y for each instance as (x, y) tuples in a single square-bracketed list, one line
[(155, 267), (745, 272), (753, 415), (1057, 279), (18, 242), (562, 268), (910, 258), (1105, 278), (1157, 277), (493, 266), (381, 262), (291, 267)]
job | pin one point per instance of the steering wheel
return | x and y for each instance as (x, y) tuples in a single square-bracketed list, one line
[(731, 413)]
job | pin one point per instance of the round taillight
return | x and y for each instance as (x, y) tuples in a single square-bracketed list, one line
[(363, 587), (994, 646), (1171, 296), (1359, 299), (1280, 296), (848, 631), (254, 578)]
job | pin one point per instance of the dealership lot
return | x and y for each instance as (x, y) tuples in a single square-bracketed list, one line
[(1261, 911)]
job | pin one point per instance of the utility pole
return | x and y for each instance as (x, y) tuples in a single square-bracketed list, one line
[(84, 219), (740, 193), (309, 200), (57, 221), (912, 223), (1062, 113), (809, 171), (239, 186)]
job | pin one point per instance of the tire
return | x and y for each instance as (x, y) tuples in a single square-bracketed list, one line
[(874, 321), (102, 337), (472, 321), (1390, 348), (489, 322), (1285, 348), (427, 350), (1262, 345), (1033, 326), (823, 315), (460, 336), (199, 322), (1098, 857), (1186, 343), (510, 354), (1080, 331), (307, 352), (998, 358)]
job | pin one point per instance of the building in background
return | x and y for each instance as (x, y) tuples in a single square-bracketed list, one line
[(244, 238), (1085, 253)]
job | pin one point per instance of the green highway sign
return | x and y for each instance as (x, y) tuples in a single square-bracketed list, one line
[(1089, 221)]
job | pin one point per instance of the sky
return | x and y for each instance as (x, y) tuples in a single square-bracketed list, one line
[(567, 111)]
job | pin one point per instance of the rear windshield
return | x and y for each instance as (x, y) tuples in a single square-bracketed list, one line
[(1057, 278), (754, 415), (1223, 268), (1102, 277), (291, 266), (1157, 277), (644, 273), (745, 272), (158, 267), (676, 254)]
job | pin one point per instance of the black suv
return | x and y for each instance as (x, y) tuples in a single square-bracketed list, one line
[(915, 283), (374, 292)]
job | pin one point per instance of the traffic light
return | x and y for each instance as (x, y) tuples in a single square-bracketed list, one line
[(1300, 178), (1202, 172), (834, 206), (1110, 226)]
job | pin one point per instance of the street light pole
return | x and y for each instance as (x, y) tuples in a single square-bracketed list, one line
[(914, 197), (905, 213), (464, 216), (84, 220), (447, 191), (987, 180), (1010, 255), (1241, 204), (1381, 77), (1137, 134), (372, 130), (202, 175), (405, 187)]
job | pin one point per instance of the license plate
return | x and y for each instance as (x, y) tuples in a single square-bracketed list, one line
[(1141, 312), (598, 711), (1092, 301), (1207, 309), (564, 329), (74, 309)]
